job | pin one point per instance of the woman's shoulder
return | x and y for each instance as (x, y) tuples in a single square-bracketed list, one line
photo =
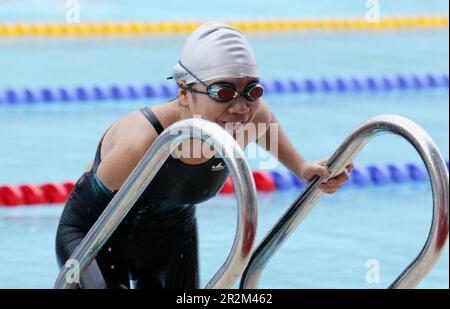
[(135, 130), (123, 146)]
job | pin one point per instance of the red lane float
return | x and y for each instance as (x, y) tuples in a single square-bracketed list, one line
[(228, 186), (32, 194), (264, 181), (54, 192), (11, 196)]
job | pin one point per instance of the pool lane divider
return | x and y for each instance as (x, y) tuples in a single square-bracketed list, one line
[(115, 92), (265, 181), (139, 28)]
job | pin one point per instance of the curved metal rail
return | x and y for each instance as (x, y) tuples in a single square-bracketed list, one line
[(142, 175), (347, 151)]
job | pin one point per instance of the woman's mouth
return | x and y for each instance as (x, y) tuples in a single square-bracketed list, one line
[(233, 125)]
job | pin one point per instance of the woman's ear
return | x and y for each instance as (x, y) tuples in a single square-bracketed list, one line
[(182, 93)]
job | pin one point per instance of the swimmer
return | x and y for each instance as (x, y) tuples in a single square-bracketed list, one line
[(155, 246)]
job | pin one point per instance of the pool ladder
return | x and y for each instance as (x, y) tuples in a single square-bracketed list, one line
[(239, 257), (143, 174), (347, 151)]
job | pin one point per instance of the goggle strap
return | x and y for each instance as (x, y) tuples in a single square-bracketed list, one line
[(189, 71)]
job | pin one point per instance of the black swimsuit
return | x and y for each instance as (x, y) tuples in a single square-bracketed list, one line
[(156, 244)]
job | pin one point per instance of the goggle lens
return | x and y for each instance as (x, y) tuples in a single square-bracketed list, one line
[(255, 92), (224, 92)]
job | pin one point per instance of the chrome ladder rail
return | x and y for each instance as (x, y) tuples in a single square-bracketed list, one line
[(142, 175), (347, 151)]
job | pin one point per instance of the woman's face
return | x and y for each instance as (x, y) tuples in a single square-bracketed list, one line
[(231, 115)]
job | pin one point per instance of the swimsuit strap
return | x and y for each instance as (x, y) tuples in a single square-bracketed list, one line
[(148, 113)]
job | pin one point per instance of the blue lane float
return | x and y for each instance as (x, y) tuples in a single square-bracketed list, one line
[(370, 175), (275, 86)]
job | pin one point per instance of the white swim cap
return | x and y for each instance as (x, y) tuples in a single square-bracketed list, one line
[(215, 50)]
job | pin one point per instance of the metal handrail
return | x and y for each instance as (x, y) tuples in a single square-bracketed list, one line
[(345, 154), (143, 174)]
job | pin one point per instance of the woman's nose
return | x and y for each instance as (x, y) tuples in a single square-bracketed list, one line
[(238, 106)]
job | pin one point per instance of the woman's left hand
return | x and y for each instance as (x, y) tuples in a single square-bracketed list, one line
[(333, 184), (309, 170)]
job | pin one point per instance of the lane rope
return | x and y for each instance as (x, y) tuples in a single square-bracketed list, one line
[(115, 92), (133, 28), (265, 180)]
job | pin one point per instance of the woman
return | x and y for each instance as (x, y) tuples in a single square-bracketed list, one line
[(156, 244)]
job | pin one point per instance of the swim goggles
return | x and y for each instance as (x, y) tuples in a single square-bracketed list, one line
[(223, 92)]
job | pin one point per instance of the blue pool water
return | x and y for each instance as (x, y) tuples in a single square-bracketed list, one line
[(54, 142)]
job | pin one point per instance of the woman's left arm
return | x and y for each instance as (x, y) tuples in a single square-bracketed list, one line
[(282, 149)]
